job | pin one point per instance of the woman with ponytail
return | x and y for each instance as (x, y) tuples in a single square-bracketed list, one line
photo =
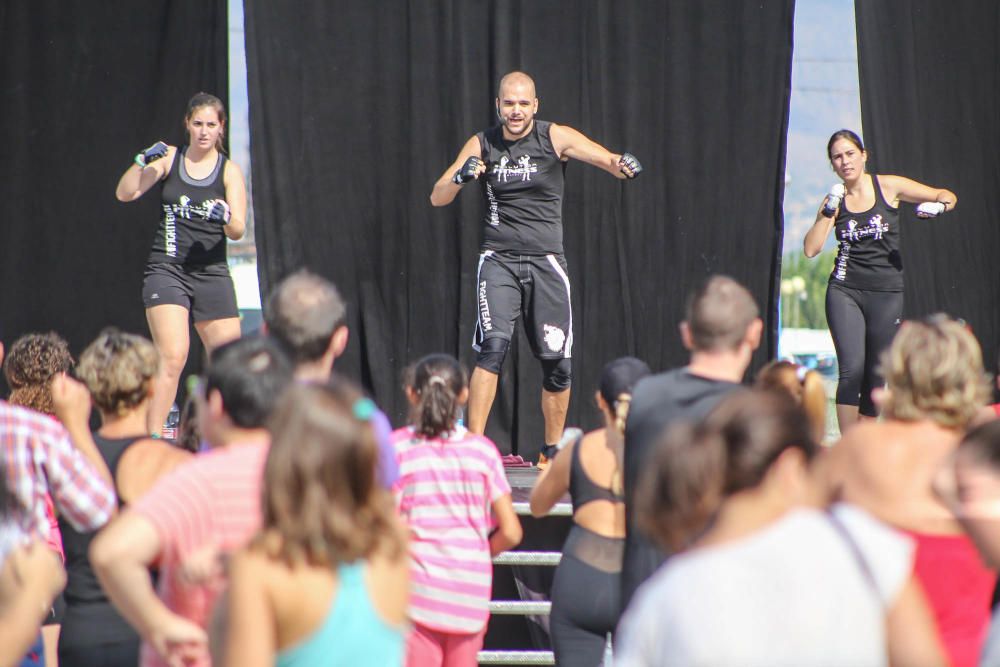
[(451, 486), (586, 591), (766, 577)]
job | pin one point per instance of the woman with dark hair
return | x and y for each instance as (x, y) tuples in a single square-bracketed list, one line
[(864, 301), (451, 486), (586, 599), (204, 202), (118, 370), (325, 582), (766, 579)]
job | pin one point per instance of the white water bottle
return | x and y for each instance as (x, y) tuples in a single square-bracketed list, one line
[(833, 200)]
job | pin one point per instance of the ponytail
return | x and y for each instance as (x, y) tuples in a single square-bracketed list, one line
[(621, 407), (437, 381)]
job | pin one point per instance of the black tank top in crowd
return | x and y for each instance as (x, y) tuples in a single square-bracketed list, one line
[(184, 235), (523, 189), (582, 489), (90, 618), (868, 253)]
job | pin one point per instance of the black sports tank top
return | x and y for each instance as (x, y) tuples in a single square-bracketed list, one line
[(184, 235), (90, 618), (868, 252), (582, 489), (523, 188)]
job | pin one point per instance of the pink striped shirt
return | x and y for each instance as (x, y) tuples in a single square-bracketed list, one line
[(445, 492), (214, 499)]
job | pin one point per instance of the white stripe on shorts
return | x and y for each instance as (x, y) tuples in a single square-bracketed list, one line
[(568, 347), (477, 334)]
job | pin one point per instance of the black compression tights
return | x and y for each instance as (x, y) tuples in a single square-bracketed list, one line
[(862, 324)]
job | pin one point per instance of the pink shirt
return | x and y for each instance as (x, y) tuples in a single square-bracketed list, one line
[(212, 500), (445, 493)]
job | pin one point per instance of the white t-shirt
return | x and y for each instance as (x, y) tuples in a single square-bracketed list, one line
[(793, 593)]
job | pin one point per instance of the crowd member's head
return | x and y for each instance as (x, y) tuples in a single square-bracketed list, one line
[(804, 386), (977, 488), (244, 380), (205, 108), (614, 394), (322, 502), (934, 370), (436, 387), (32, 362), (753, 441), (307, 316), (721, 316), (118, 369)]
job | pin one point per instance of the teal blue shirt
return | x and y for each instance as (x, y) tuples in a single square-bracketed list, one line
[(352, 634)]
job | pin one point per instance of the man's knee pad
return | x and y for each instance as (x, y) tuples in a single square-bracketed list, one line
[(491, 354), (558, 374)]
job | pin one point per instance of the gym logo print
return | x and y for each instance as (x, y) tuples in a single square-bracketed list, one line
[(524, 168), (555, 337), (185, 210), (874, 229)]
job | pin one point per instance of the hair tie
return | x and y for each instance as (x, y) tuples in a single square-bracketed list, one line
[(363, 409), (437, 379)]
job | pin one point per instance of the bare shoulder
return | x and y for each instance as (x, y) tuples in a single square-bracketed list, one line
[(232, 171)]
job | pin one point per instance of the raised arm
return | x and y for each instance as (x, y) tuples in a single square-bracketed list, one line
[(148, 167), (552, 483), (826, 216), (900, 188), (446, 189), (571, 143)]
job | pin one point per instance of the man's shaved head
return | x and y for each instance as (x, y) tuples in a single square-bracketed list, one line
[(516, 78)]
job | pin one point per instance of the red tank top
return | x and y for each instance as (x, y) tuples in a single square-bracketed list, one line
[(959, 589)]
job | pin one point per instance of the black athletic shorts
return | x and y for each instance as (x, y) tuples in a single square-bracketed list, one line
[(535, 286), (207, 291)]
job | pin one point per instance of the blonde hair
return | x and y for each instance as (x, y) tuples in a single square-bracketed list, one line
[(803, 385), (118, 369), (934, 370), (321, 501)]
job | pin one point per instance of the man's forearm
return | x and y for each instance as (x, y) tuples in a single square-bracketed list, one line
[(130, 588)]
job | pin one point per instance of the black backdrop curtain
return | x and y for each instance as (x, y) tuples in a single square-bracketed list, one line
[(83, 87), (357, 108), (930, 104)]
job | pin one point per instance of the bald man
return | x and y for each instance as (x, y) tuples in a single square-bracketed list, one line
[(522, 270)]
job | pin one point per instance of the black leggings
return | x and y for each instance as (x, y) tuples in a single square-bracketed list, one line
[(586, 597), (862, 324)]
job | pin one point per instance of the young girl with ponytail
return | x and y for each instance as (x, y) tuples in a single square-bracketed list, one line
[(586, 591), (451, 492)]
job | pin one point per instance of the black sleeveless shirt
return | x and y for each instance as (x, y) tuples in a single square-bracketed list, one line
[(184, 235), (582, 489), (523, 188), (90, 618), (868, 253)]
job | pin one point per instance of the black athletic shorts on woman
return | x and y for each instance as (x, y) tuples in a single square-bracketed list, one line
[(206, 291), (510, 284)]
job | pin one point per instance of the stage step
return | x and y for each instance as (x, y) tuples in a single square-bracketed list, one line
[(520, 607), (516, 658), (542, 558)]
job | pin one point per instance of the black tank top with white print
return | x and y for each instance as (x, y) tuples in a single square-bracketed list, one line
[(523, 189), (185, 236), (868, 255)]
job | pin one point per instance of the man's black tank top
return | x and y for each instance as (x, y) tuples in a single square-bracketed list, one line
[(868, 253), (184, 235), (90, 618), (523, 188)]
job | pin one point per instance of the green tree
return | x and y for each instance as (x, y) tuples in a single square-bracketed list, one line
[(803, 289)]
